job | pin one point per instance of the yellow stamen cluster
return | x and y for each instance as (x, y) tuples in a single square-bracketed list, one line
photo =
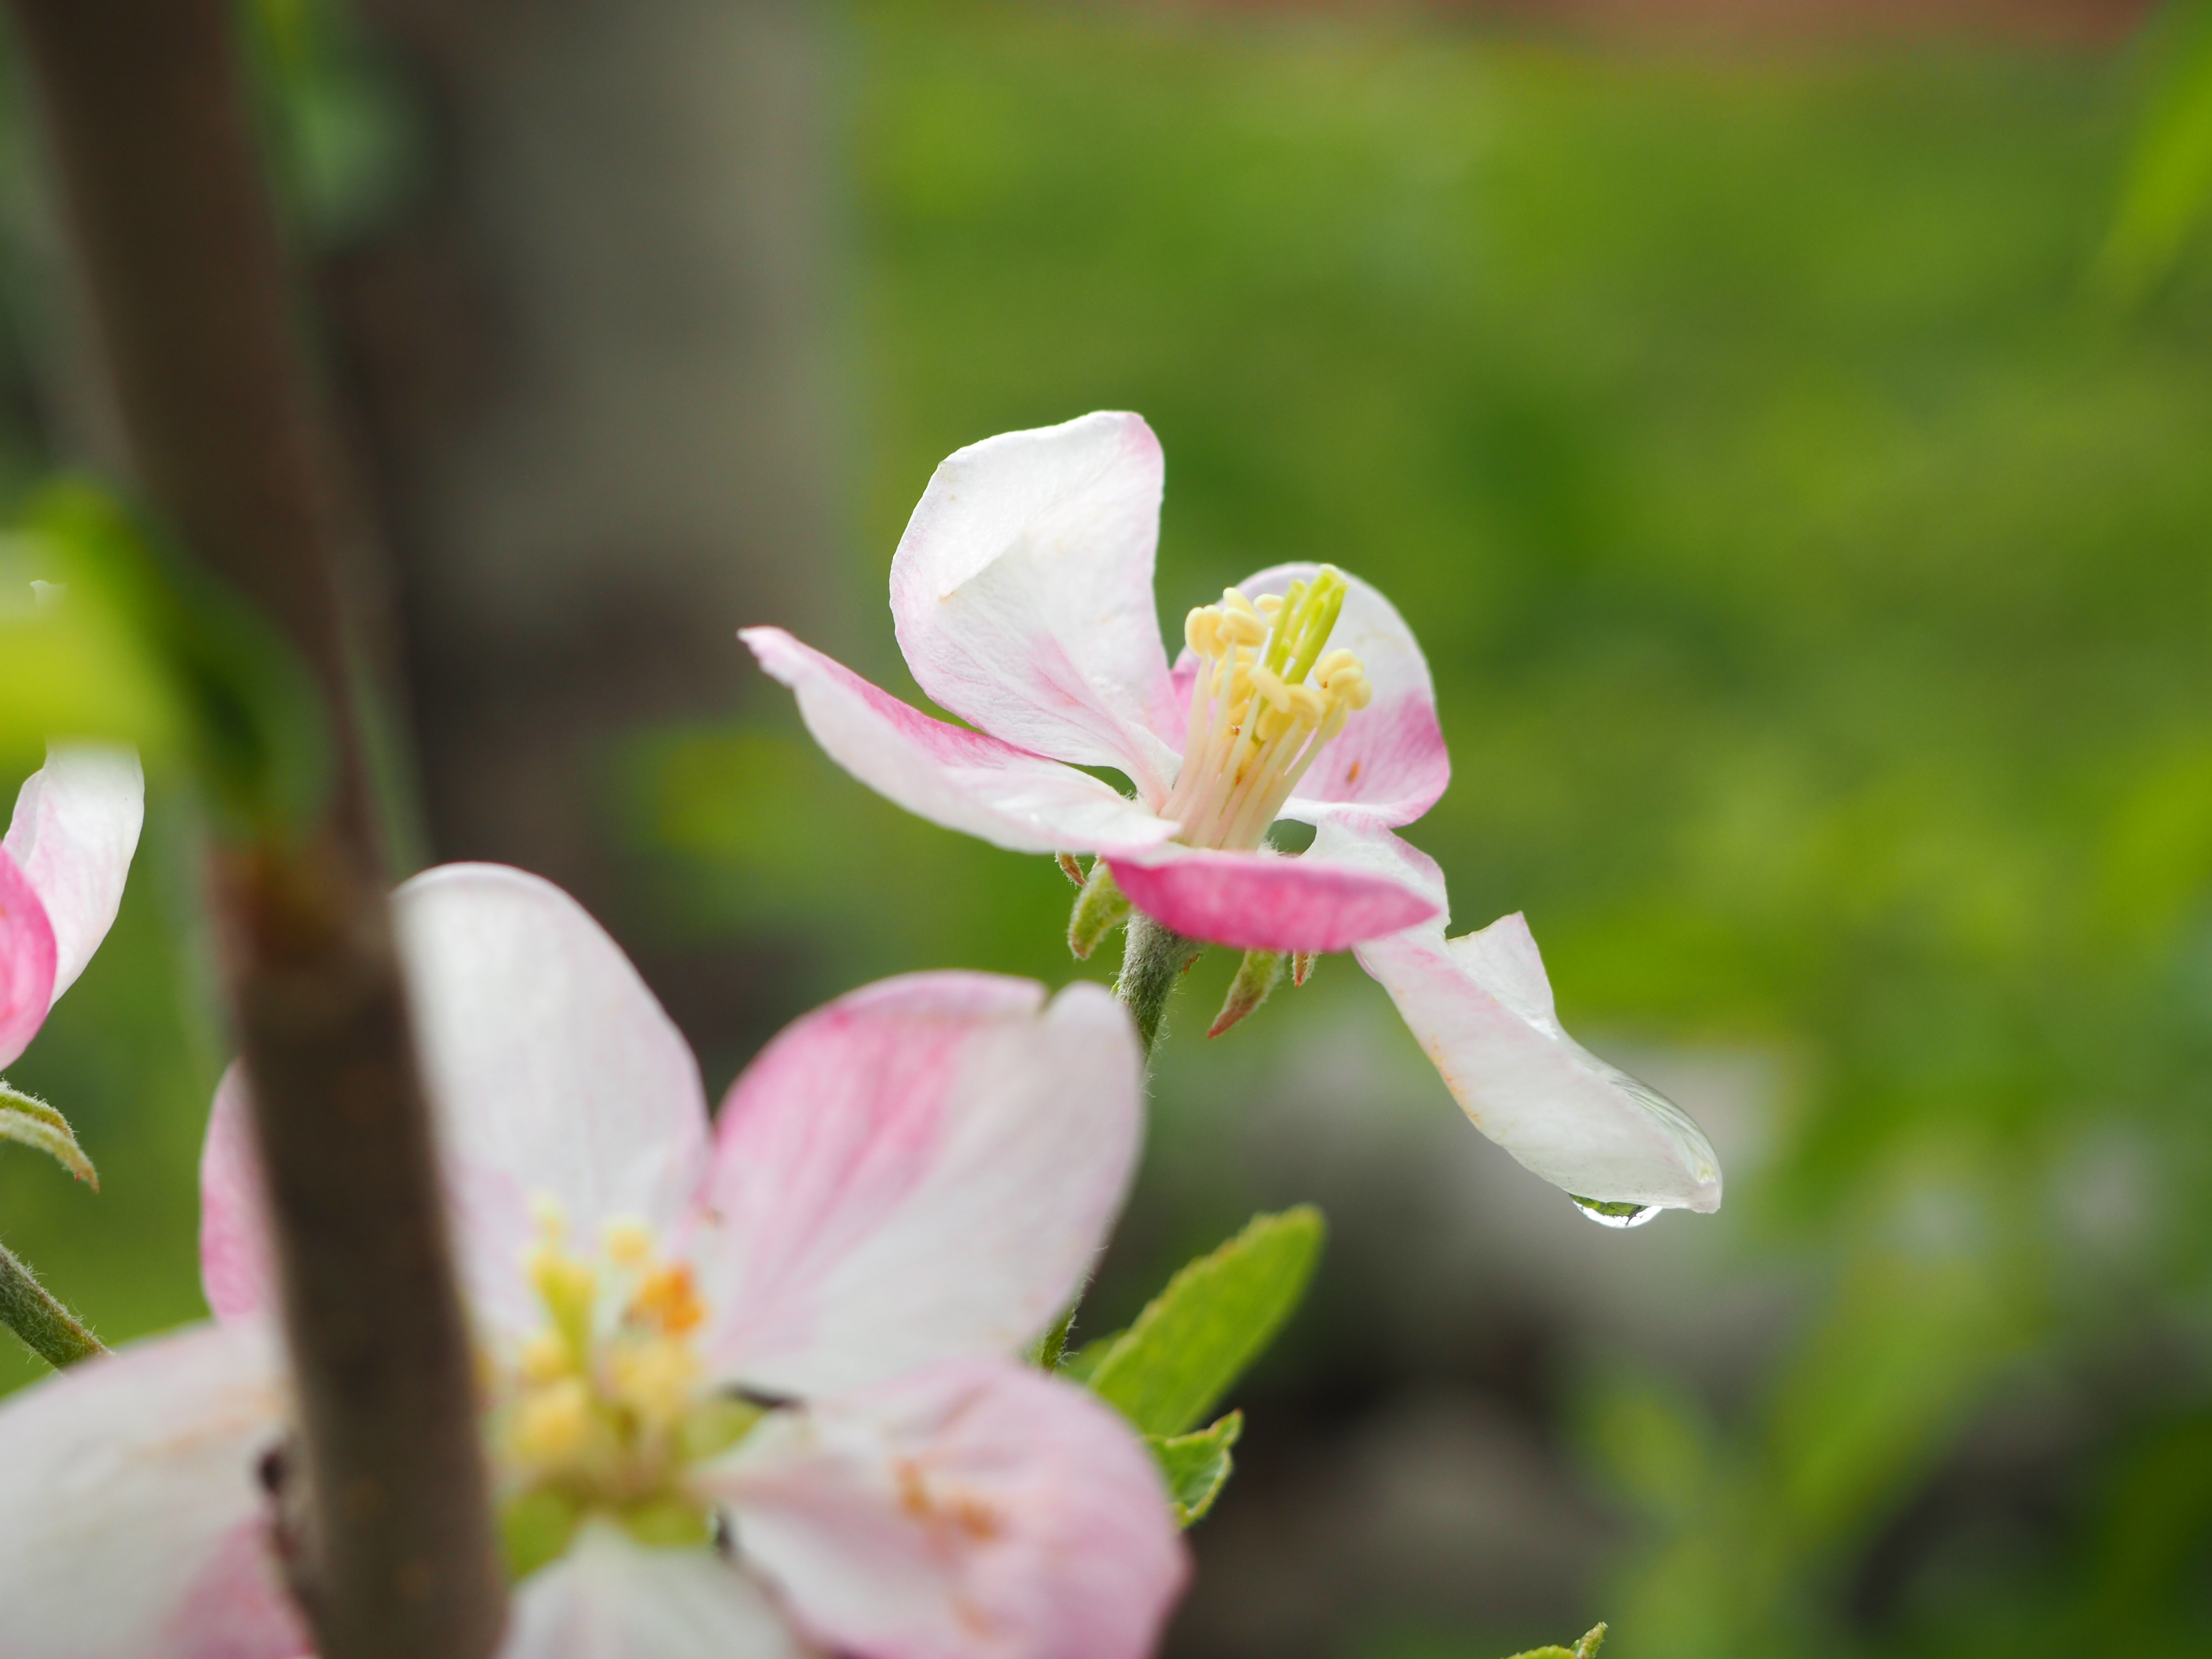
[(1268, 697), (604, 1409)]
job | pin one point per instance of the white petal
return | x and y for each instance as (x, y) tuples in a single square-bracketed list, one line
[(921, 1169), (553, 1071), (979, 1510), (130, 1518), (1480, 1006), (611, 1598), (962, 780), (76, 826), (1023, 593)]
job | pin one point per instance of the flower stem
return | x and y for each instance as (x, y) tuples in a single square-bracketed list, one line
[(1152, 961), (28, 1309)]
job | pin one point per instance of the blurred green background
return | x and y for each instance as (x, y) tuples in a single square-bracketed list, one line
[(1811, 549)]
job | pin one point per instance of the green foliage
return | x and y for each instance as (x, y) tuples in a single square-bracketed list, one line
[(1214, 1318), (2167, 187), (1586, 1648), (30, 1121), (1197, 1466)]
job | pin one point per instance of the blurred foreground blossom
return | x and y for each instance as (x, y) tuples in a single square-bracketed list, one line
[(61, 870), (750, 1390), (1022, 592), (1480, 1006)]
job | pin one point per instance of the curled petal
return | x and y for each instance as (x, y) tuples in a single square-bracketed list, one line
[(131, 1521), (74, 828), (978, 1509), (1023, 593), (1389, 761), (237, 1266), (921, 1169), (27, 961), (963, 780), (610, 1598), (1267, 901), (1480, 1006)]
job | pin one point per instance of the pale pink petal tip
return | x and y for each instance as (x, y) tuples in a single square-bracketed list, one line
[(74, 828), (922, 1169), (975, 1508), (1267, 901), (1480, 1006)]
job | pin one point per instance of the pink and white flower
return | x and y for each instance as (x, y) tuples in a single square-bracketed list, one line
[(61, 870), (1022, 594), (1480, 1006), (753, 1388)]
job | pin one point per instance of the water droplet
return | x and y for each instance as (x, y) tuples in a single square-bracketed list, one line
[(1614, 1215)]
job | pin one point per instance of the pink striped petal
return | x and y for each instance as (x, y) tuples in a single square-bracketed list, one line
[(27, 961), (978, 1509), (1389, 761), (238, 1270), (131, 1521), (1267, 901), (1023, 593), (74, 828), (1480, 1006), (921, 1169), (962, 780), (611, 1598)]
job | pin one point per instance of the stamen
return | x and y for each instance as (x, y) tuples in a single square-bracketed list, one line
[(1269, 697)]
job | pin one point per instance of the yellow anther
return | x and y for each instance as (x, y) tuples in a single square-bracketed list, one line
[(667, 1298), (1242, 626), (1335, 662), (655, 1378), (546, 1356), (628, 1243), (1358, 692), (553, 1423), (1307, 704), (1268, 685), (565, 1285), (1268, 605), (1233, 603), (1202, 630)]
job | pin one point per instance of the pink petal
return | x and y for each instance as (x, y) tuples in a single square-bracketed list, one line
[(978, 1509), (131, 1520), (238, 1270), (76, 826), (1023, 593), (921, 1169), (947, 773), (27, 961), (611, 1598), (1480, 1006), (1389, 760), (1267, 901)]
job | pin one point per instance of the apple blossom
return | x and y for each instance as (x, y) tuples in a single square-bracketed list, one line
[(1021, 596), (61, 869), (1480, 1006), (750, 1391)]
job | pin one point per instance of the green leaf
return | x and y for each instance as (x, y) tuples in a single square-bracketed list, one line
[(1585, 1648), (1197, 1466), (27, 1119), (1077, 1367), (2168, 183), (1214, 1319)]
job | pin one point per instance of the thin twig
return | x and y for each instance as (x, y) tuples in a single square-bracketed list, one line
[(147, 119)]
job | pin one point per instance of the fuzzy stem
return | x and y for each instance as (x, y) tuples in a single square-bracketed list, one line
[(28, 1309), (1152, 961)]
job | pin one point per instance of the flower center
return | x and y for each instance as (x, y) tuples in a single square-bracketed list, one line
[(603, 1411), (1269, 697)]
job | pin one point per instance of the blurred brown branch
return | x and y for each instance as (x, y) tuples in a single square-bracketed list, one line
[(147, 115)]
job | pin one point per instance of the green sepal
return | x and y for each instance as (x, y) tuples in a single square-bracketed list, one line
[(29, 1120), (1051, 1348), (715, 1423), (1214, 1319), (1256, 975), (1100, 908), (1077, 1367), (536, 1528), (1196, 1466), (1585, 1648), (669, 1521)]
